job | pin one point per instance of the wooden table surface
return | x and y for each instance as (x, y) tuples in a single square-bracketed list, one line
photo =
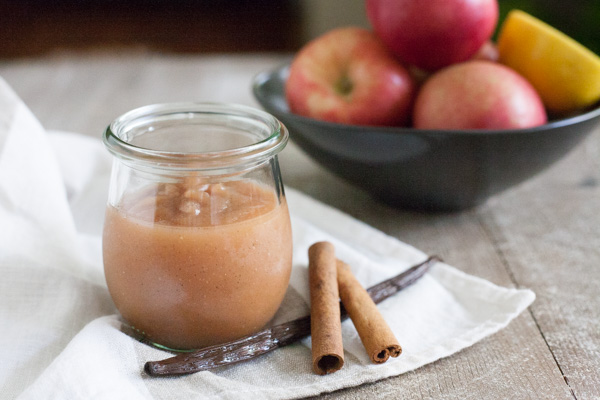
[(543, 235)]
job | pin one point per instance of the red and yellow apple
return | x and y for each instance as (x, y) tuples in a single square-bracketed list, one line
[(478, 95), (348, 76), (432, 34)]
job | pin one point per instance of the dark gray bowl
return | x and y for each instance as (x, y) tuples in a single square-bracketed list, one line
[(426, 169)]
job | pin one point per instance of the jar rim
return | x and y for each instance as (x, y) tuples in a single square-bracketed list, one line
[(253, 153)]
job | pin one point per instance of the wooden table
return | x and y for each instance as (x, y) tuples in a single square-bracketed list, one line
[(543, 234)]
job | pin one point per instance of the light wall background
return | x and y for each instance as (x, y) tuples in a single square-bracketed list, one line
[(320, 16)]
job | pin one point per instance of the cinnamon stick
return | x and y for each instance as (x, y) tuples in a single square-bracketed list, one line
[(269, 339), (326, 326), (375, 334)]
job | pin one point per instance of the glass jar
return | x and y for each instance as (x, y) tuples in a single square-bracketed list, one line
[(197, 241)]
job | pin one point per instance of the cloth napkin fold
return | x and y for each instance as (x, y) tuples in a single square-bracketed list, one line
[(61, 333)]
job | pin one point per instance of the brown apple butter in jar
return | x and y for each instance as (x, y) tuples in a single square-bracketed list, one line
[(197, 241)]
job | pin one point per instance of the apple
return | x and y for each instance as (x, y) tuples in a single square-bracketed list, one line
[(348, 76), (478, 95), (489, 52), (432, 34)]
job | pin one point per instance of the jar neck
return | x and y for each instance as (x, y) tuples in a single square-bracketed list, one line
[(210, 138)]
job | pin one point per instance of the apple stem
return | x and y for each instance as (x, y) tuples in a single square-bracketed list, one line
[(344, 85)]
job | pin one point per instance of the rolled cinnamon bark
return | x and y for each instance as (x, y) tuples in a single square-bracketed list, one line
[(375, 334), (326, 327)]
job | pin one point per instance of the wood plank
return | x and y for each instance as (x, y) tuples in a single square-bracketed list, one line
[(503, 366), (548, 233)]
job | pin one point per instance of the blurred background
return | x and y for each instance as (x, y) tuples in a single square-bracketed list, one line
[(35, 27)]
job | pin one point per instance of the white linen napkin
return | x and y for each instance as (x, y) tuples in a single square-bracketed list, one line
[(61, 333)]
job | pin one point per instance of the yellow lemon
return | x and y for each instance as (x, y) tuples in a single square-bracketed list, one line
[(565, 74)]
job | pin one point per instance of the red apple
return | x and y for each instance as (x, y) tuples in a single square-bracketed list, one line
[(477, 95), (432, 34), (348, 76)]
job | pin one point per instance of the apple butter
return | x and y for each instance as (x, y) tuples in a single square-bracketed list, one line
[(194, 264)]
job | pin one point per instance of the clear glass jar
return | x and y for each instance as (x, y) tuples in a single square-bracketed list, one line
[(197, 241)]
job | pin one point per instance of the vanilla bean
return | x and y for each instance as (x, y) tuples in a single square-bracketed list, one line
[(271, 338)]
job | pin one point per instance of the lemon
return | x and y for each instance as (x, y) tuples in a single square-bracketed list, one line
[(565, 74)]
